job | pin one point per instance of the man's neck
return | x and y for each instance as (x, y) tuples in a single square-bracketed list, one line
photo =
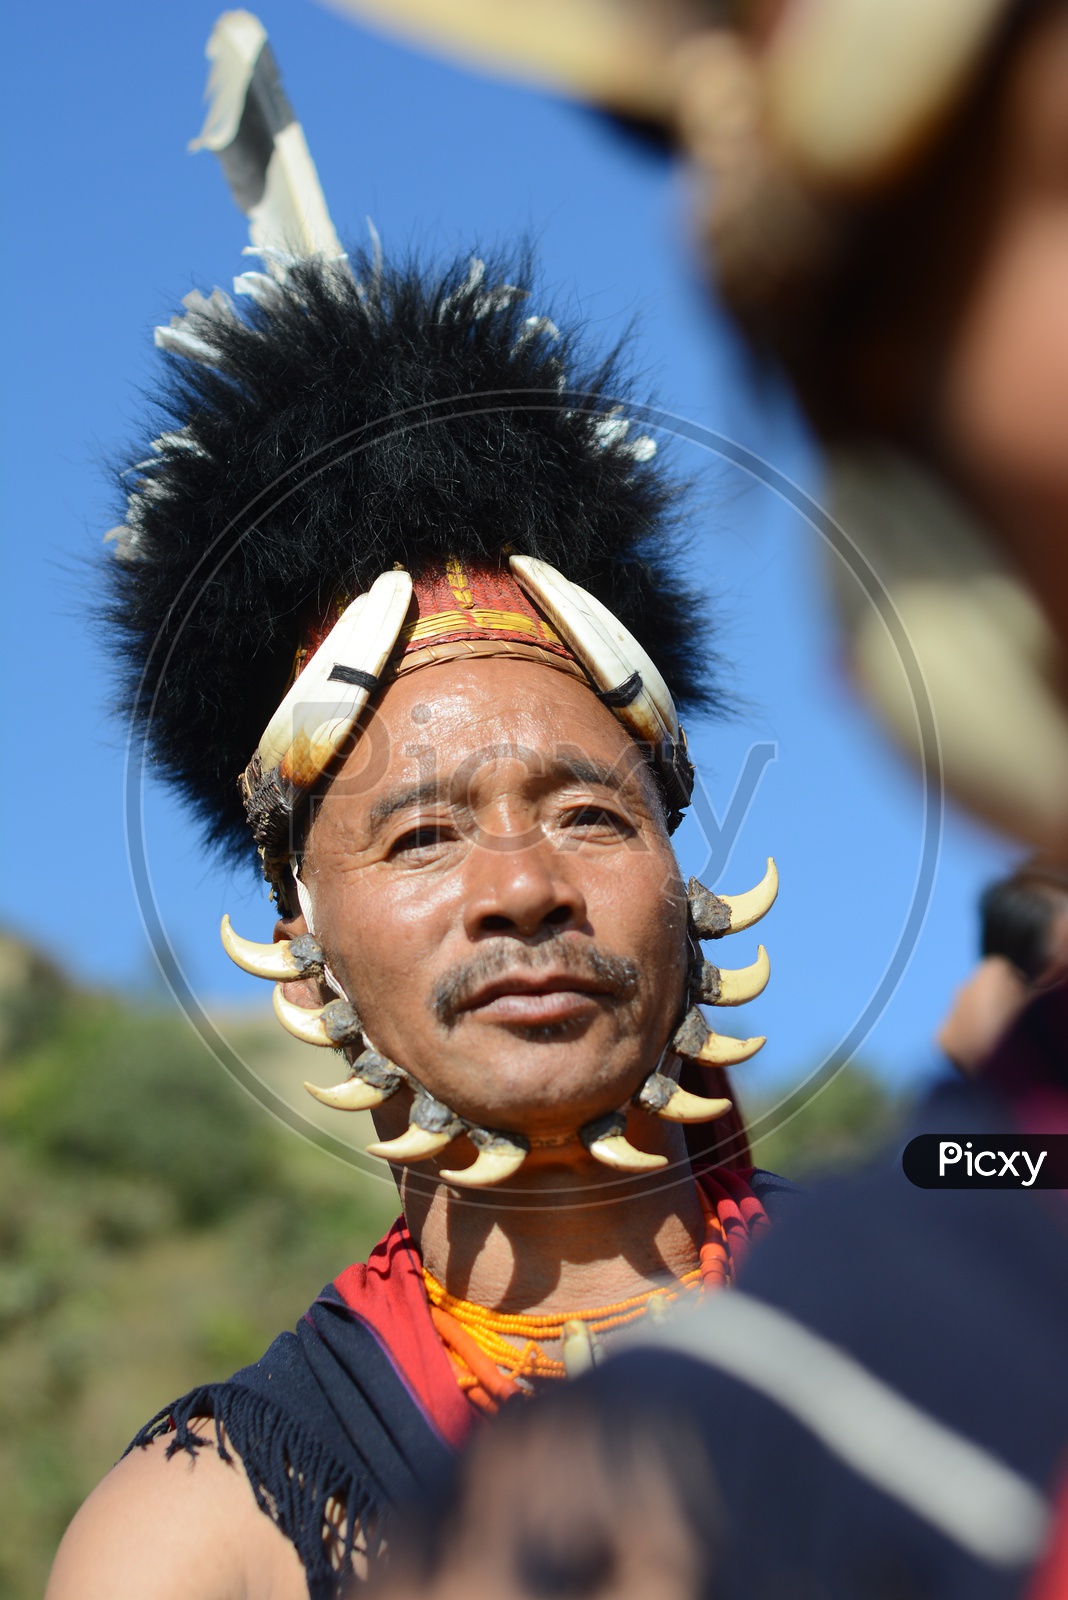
[(566, 1238)]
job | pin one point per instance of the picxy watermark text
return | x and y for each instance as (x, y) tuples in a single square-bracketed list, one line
[(987, 1161)]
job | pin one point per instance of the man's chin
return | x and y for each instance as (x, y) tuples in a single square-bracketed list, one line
[(539, 1093)]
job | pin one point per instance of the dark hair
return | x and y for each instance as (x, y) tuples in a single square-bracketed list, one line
[(1018, 913), (342, 422), (559, 1493)]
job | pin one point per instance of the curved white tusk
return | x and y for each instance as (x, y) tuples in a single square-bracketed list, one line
[(696, 1042), (329, 1026), (431, 1126), (686, 1107), (732, 986), (720, 1050), (618, 1152), (577, 1347), (608, 1144), (326, 701), (662, 1096), (374, 1079), (713, 915), (499, 1156), (748, 908), (282, 962), (609, 652), (353, 1095), (414, 1144)]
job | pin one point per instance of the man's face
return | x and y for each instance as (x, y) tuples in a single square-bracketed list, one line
[(494, 888)]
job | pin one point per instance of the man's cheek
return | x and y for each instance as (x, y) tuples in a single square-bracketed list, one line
[(390, 948)]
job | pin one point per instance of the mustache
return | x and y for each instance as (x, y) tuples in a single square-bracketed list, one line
[(454, 990)]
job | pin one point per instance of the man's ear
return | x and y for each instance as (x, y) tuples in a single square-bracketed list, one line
[(290, 927), (307, 992)]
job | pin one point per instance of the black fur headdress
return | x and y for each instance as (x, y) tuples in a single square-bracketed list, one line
[(345, 421)]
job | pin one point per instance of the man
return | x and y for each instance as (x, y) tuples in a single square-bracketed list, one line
[(384, 593)]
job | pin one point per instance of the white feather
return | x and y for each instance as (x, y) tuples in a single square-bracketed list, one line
[(233, 50), (288, 218)]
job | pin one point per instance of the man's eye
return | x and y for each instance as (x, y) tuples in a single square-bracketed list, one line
[(601, 817), (425, 836)]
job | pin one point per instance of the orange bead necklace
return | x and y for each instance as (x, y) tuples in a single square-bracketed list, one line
[(479, 1343)]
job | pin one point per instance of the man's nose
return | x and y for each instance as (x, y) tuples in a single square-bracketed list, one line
[(522, 890)]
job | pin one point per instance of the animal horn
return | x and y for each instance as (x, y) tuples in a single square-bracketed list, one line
[(282, 962), (374, 1078), (731, 986), (720, 1050), (414, 1144), (431, 1126), (713, 915), (697, 1042), (329, 1026), (662, 1096), (499, 1156), (606, 1141), (352, 1095), (577, 1347)]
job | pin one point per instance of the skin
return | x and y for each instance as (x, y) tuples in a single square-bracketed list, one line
[(989, 1001), (1004, 398), (543, 842), (983, 1009)]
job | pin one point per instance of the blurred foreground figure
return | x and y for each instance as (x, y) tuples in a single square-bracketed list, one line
[(571, 1501), (884, 202), (390, 642), (1023, 946), (880, 200)]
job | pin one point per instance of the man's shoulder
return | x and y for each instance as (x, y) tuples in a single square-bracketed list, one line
[(165, 1525)]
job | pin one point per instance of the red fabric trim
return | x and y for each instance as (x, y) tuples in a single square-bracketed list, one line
[(479, 599), (388, 1294), (1050, 1581), (741, 1214)]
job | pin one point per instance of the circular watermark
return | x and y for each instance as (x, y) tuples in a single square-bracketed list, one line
[(752, 466)]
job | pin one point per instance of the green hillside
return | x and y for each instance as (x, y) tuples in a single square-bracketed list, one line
[(157, 1229)]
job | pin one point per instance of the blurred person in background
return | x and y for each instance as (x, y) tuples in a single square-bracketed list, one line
[(882, 200), (391, 639), (567, 1500), (1023, 948)]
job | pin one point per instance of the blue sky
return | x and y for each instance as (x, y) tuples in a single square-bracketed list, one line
[(110, 222)]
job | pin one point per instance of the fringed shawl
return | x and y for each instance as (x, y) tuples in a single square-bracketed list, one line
[(360, 1406)]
